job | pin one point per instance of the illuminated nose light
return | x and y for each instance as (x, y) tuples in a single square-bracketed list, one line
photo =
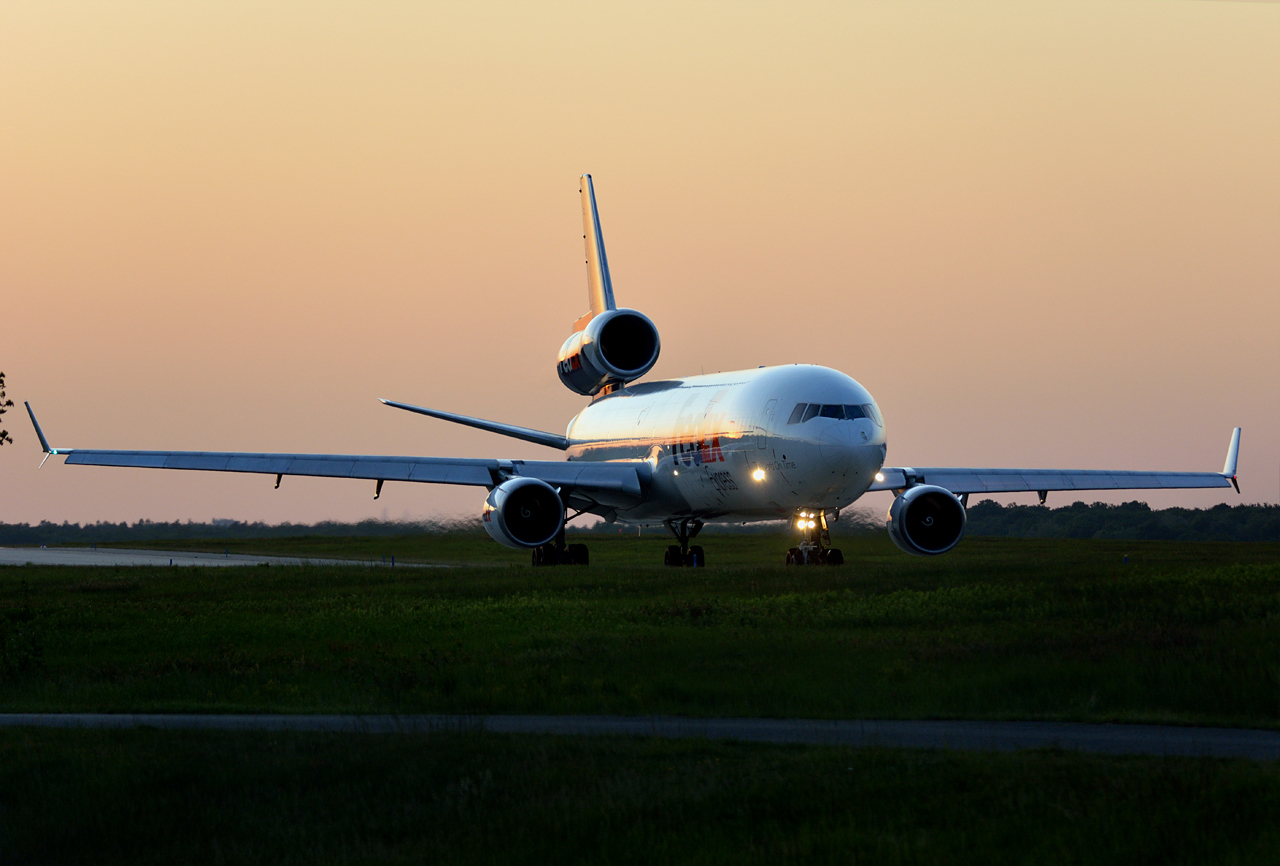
[(758, 475), (879, 476), (675, 471)]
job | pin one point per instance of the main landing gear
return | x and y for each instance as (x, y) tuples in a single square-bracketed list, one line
[(814, 548), (558, 553), (682, 554)]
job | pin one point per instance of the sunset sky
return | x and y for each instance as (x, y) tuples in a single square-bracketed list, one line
[(1041, 234)]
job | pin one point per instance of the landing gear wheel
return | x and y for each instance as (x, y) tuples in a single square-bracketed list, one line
[(549, 554), (793, 557), (682, 554), (834, 556)]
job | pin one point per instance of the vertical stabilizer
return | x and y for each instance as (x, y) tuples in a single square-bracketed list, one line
[(599, 286)]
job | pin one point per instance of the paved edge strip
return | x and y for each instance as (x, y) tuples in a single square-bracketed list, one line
[(146, 558), (1111, 739)]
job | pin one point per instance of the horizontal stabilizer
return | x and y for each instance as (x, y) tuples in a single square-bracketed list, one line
[(538, 437)]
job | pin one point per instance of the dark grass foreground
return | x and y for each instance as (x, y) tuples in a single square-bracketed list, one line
[(166, 797), (1008, 629)]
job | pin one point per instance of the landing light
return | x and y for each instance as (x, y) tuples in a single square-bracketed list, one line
[(879, 476), (675, 471), (758, 475)]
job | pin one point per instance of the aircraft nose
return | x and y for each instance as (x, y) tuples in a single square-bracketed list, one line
[(839, 444)]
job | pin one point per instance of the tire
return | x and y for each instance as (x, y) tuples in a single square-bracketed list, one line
[(696, 558), (835, 557), (793, 556), (578, 554), (673, 557)]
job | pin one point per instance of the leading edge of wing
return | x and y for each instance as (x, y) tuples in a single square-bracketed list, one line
[(538, 437), (615, 482), (965, 480), (432, 470)]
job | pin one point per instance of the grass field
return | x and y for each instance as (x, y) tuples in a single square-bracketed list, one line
[(183, 797), (1007, 629), (1183, 632)]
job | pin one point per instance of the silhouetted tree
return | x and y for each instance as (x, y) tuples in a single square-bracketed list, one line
[(4, 407)]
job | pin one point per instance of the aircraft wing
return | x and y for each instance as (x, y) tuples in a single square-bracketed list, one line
[(616, 483), (962, 480)]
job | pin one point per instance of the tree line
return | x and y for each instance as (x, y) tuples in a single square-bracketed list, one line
[(1132, 520)]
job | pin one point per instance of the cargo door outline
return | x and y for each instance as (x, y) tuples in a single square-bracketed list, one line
[(762, 429)]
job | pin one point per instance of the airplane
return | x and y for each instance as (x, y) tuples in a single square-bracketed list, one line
[(797, 442)]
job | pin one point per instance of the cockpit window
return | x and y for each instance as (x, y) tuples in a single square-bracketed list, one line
[(848, 412)]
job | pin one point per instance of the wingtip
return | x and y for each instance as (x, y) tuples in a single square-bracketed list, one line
[(44, 443), (1233, 455)]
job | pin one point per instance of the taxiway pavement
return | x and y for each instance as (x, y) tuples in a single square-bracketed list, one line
[(993, 736), (183, 558)]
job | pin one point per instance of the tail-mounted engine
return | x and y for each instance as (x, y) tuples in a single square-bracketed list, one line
[(616, 346), (523, 513), (926, 520)]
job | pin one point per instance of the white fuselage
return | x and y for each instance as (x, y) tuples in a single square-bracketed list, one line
[(724, 446)]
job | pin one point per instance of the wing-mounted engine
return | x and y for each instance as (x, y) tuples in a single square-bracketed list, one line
[(926, 520), (523, 513), (616, 346)]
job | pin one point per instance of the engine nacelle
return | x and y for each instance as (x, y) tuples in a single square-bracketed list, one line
[(926, 520), (615, 346), (523, 513)]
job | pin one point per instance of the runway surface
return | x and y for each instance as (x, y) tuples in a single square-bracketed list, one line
[(184, 558), (959, 735)]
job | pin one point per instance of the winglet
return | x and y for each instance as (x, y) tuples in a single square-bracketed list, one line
[(44, 443), (1233, 456), (599, 284)]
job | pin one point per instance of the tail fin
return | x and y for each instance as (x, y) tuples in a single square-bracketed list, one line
[(599, 286)]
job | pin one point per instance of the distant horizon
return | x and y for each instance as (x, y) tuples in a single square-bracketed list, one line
[(858, 512)]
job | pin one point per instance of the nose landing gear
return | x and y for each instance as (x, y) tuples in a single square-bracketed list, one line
[(682, 554), (814, 547)]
